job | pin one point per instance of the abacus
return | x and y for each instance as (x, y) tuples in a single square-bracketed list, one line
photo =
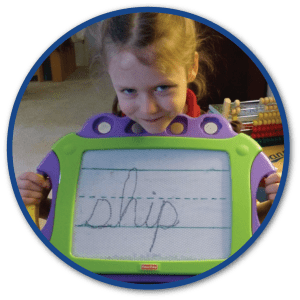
[(260, 118)]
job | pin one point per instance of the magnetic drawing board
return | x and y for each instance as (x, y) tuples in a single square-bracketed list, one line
[(158, 206), (125, 201)]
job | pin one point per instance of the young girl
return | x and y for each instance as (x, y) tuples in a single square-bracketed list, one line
[(157, 65)]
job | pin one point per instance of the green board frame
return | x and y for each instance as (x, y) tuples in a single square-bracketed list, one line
[(241, 150)]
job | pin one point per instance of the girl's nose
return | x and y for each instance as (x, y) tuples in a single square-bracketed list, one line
[(149, 105)]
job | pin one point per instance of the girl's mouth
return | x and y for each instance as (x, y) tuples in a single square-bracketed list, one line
[(152, 120)]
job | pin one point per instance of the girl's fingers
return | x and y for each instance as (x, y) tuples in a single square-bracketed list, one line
[(271, 196), (30, 179), (273, 178), (272, 188), (29, 185), (30, 201), (272, 184), (45, 182), (33, 187), (31, 176), (27, 194)]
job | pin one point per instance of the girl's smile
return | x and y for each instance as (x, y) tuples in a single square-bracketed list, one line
[(145, 94)]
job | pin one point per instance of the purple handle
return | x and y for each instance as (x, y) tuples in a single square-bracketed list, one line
[(49, 167), (261, 167)]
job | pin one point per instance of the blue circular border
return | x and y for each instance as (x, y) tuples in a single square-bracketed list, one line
[(251, 56)]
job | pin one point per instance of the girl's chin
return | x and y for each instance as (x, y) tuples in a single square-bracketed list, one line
[(154, 128)]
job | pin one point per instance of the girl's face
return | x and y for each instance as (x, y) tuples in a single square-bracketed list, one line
[(146, 95)]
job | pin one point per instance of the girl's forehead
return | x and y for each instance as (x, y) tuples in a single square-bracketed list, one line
[(125, 67), (140, 65), (126, 58)]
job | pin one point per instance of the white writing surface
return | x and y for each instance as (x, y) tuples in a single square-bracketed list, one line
[(153, 205)]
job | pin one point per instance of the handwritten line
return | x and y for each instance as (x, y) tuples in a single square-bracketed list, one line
[(147, 227), (152, 198), (158, 170)]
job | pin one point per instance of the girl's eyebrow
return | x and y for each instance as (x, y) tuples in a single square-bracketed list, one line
[(125, 87), (167, 82), (170, 84)]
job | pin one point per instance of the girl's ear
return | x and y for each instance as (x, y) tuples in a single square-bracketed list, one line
[(194, 69)]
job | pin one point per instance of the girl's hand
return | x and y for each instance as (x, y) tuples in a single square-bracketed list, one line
[(271, 186), (34, 188)]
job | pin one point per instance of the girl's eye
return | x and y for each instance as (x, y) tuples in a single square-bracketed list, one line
[(162, 88), (128, 91)]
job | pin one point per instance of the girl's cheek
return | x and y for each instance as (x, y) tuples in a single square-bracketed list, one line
[(127, 107), (174, 106)]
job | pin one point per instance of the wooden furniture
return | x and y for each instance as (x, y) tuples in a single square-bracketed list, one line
[(40, 73), (62, 63)]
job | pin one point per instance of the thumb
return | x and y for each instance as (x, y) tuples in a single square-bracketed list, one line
[(46, 182)]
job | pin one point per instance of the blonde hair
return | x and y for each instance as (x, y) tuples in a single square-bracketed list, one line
[(173, 38)]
